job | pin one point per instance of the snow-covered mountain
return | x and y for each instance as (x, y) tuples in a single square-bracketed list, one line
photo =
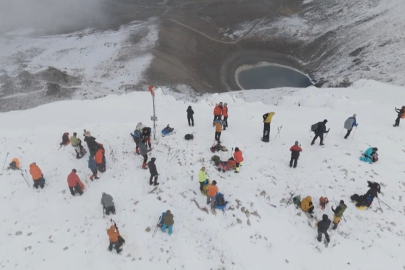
[(50, 229)]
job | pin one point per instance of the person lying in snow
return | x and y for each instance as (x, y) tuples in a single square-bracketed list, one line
[(367, 199), (227, 165), (370, 155)]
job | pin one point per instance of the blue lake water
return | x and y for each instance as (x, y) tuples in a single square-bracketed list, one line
[(272, 76)]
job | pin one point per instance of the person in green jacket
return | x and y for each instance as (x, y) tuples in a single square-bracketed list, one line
[(77, 145), (338, 213), (202, 177)]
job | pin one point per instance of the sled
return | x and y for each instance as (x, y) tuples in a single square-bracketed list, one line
[(166, 132), (362, 208)]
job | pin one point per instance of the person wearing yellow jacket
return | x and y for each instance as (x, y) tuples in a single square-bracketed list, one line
[(202, 178), (306, 205), (266, 129)]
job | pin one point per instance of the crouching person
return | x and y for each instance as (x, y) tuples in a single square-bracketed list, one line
[(168, 222), (75, 185), (113, 235), (108, 204), (37, 176), (323, 227), (306, 205)]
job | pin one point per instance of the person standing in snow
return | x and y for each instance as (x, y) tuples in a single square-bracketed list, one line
[(238, 159), (323, 227), (338, 213), (146, 134), (100, 158), (217, 113), (190, 117), (168, 222), (320, 131), (266, 128), (91, 142), (202, 178), (153, 172), (218, 130), (93, 167), (212, 191), (137, 139), (295, 154), (113, 235), (144, 153), (37, 176), (349, 124), (401, 114), (77, 145), (225, 114), (74, 183), (107, 203), (306, 205)]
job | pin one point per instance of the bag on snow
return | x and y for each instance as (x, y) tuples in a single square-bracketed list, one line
[(188, 137), (314, 127), (220, 202), (297, 201), (216, 160)]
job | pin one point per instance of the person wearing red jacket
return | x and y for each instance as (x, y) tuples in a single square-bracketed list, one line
[(225, 114), (75, 185), (217, 113), (295, 154), (238, 159)]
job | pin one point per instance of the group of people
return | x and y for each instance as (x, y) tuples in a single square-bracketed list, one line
[(142, 139), (220, 110)]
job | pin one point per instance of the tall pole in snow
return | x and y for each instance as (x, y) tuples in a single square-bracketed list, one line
[(153, 118)]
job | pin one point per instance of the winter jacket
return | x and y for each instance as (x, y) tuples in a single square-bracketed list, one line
[(350, 123), (225, 111), (306, 204), (113, 234), (74, 141), (295, 151), (267, 117), (324, 224), (339, 210), (73, 180), (190, 112), (99, 156), (107, 200), (217, 110), (321, 128), (92, 163), (401, 112), (35, 172), (238, 156), (202, 176), (152, 167), (17, 162), (91, 143), (218, 126), (369, 152), (143, 150), (231, 164), (146, 131), (212, 190), (373, 192), (137, 134), (168, 218)]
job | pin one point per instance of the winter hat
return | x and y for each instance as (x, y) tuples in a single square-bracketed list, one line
[(74, 170), (168, 212), (236, 148), (342, 202), (74, 134), (153, 159), (354, 115), (296, 142), (325, 121), (225, 104), (87, 134), (214, 182), (325, 217)]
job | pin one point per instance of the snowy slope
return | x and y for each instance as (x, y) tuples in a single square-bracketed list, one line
[(59, 231)]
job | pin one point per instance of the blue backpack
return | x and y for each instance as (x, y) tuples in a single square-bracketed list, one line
[(161, 219)]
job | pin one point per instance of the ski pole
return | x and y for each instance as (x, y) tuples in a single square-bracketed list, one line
[(342, 131), (387, 205), (174, 155), (289, 200), (26, 175), (103, 211), (5, 161), (354, 133), (25, 179), (157, 225), (379, 204)]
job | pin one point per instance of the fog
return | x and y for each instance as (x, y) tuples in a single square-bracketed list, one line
[(52, 16)]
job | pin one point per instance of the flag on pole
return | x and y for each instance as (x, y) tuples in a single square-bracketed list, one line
[(151, 87)]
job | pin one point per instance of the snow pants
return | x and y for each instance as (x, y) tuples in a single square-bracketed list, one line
[(109, 209), (295, 160), (225, 122), (39, 183), (326, 236), (170, 229), (155, 177), (190, 120), (348, 133), (397, 121), (76, 189), (216, 117), (211, 200), (116, 245), (266, 132), (320, 135), (217, 136)]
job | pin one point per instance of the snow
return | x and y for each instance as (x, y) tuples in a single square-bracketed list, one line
[(59, 231)]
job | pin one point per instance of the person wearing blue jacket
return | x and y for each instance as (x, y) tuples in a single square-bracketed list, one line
[(349, 124), (137, 139), (93, 167), (370, 155)]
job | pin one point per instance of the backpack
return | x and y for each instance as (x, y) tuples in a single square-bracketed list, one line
[(13, 165), (297, 201), (220, 201), (189, 137), (348, 123), (216, 160), (314, 127), (161, 219)]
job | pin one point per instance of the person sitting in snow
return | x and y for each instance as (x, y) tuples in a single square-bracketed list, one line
[(295, 154), (107, 203), (227, 165), (306, 205), (65, 139), (349, 124), (370, 155), (168, 222), (74, 183), (323, 227), (323, 201), (401, 114), (14, 165)]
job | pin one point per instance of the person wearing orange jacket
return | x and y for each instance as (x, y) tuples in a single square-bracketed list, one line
[(238, 159), (37, 176), (74, 183), (100, 158), (212, 191), (218, 130), (217, 113), (295, 154), (225, 114), (113, 235)]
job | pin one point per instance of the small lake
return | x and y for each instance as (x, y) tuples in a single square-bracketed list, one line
[(265, 76)]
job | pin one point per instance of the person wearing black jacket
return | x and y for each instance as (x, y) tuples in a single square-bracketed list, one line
[(153, 172), (190, 117), (91, 142), (295, 154), (374, 189), (400, 114), (320, 131), (323, 227)]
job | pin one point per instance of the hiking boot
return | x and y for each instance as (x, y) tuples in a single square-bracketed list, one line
[(150, 183), (97, 177), (156, 184), (312, 143), (334, 226), (91, 178), (321, 144), (319, 239), (345, 137), (236, 172)]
